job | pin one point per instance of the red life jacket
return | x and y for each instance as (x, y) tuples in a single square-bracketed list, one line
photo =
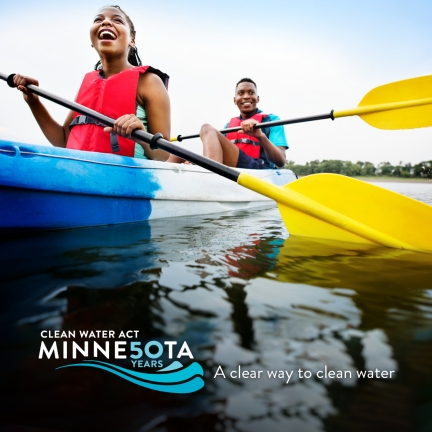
[(249, 144), (114, 97)]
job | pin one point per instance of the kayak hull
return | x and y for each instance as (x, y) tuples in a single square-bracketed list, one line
[(44, 187)]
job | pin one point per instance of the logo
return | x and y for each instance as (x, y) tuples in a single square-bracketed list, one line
[(173, 378)]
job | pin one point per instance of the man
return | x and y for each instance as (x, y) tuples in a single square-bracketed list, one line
[(262, 148)]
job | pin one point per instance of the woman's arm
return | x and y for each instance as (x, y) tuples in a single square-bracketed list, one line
[(55, 133), (153, 97)]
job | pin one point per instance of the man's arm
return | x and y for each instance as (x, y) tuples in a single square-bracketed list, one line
[(275, 154)]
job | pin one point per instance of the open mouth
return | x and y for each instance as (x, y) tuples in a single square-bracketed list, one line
[(107, 35)]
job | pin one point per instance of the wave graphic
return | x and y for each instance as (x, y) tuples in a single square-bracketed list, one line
[(174, 365), (180, 381)]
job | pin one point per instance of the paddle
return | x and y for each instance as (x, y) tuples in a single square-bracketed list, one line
[(322, 206), (403, 104)]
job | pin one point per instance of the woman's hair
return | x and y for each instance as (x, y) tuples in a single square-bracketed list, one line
[(133, 55)]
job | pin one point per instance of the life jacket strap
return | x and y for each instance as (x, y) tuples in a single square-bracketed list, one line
[(245, 141), (84, 120)]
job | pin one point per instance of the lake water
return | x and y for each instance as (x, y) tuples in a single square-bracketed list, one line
[(306, 317)]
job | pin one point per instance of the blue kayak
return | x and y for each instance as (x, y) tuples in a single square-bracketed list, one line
[(45, 187)]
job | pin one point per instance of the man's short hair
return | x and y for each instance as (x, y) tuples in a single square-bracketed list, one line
[(247, 80)]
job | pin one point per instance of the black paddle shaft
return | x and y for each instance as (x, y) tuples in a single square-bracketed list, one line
[(155, 141), (268, 124)]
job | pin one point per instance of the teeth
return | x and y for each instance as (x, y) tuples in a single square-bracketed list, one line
[(108, 33)]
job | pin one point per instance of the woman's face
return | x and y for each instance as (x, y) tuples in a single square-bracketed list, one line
[(110, 33)]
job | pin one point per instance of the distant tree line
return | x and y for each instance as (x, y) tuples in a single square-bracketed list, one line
[(350, 169)]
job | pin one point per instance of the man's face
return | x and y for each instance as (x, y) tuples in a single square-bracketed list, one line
[(246, 98)]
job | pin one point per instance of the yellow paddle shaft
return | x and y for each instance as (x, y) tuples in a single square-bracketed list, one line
[(312, 208), (368, 109)]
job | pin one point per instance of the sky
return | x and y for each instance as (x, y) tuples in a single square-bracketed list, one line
[(307, 58)]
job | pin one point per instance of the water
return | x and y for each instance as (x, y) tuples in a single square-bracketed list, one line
[(419, 191), (241, 294)]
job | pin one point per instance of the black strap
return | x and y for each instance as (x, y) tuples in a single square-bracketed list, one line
[(245, 141), (114, 143), (83, 120), (162, 75)]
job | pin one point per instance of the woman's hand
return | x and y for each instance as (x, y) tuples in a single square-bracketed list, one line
[(21, 81), (125, 125)]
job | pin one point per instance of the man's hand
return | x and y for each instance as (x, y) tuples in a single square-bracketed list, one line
[(247, 127)]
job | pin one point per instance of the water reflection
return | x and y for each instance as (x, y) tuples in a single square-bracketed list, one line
[(376, 305), (241, 295)]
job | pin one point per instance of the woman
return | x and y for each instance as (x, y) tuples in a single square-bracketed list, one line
[(119, 87)]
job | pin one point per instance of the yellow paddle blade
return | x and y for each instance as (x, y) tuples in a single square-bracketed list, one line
[(331, 206), (403, 104), (391, 215), (356, 266)]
